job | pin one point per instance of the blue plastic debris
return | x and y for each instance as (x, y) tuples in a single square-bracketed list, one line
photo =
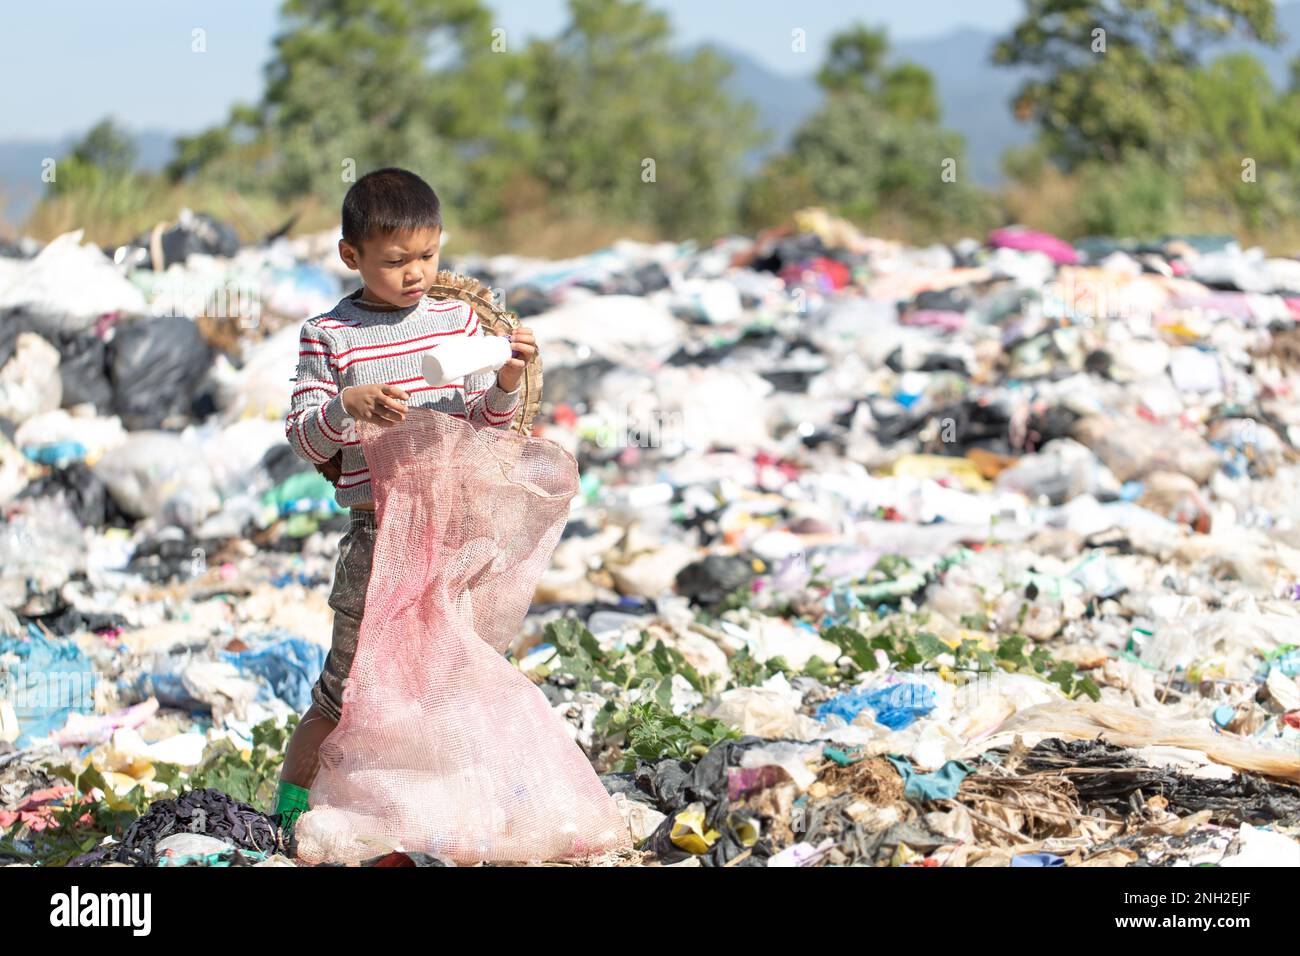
[(57, 454), (51, 681), (1131, 491), (1037, 859), (289, 665), (844, 758), (940, 784), (1287, 661), (167, 683), (896, 707)]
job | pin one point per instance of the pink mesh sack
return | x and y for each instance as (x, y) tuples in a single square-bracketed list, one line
[(444, 746)]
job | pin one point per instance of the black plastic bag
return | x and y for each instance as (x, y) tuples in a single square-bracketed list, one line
[(157, 365)]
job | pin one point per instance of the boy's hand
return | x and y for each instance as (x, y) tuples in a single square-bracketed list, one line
[(523, 347), (381, 404)]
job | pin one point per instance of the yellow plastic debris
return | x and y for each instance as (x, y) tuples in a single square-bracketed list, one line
[(688, 831), (962, 470)]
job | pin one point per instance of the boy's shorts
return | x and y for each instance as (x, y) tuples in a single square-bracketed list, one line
[(348, 599)]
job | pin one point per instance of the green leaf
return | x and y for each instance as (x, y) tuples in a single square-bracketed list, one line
[(929, 646), (1012, 648)]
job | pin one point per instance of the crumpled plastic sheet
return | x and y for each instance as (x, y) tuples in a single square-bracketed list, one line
[(444, 747)]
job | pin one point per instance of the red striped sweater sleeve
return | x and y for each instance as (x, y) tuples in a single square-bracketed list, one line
[(487, 404), (316, 422)]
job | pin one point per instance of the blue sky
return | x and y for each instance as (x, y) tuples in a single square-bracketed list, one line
[(69, 64)]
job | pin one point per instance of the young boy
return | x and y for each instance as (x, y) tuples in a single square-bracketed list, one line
[(361, 361)]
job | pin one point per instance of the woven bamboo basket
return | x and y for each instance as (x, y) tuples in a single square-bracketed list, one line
[(495, 321)]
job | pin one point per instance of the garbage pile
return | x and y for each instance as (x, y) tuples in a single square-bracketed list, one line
[(972, 555)]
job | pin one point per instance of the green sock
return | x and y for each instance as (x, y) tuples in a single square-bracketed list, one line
[(290, 801)]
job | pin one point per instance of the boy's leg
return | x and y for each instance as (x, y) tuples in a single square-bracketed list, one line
[(347, 598), (302, 756)]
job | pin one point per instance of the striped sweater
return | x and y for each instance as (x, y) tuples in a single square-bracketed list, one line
[(352, 345)]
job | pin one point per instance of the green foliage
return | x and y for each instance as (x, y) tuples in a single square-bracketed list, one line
[(864, 164), (748, 671), (496, 126), (855, 63), (1132, 197), (854, 645), (107, 146), (100, 162), (70, 836), (654, 732), (907, 648), (739, 598), (580, 656), (354, 82), (1135, 95), (193, 153), (1242, 120), (874, 151), (252, 780), (609, 94), (1158, 141), (903, 646), (890, 566)]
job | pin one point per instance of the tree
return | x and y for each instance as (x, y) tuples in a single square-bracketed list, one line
[(355, 85), (193, 153), (855, 63), (1247, 143), (107, 146), (866, 163), (874, 151), (410, 82), (105, 153), (1114, 75), (625, 125)]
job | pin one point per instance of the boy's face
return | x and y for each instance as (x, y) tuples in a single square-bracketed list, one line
[(398, 267)]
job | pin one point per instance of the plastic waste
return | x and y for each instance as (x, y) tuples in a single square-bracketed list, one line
[(42, 283), (941, 784), (454, 360), (160, 474), (895, 707), (29, 381), (50, 681), (289, 666), (1061, 470), (193, 233), (156, 366)]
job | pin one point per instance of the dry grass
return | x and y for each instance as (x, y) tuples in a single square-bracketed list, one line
[(112, 217), (1053, 202), (550, 237)]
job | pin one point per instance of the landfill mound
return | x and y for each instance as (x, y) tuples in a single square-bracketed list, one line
[(982, 554)]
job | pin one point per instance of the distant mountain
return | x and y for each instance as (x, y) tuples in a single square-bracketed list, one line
[(783, 102)]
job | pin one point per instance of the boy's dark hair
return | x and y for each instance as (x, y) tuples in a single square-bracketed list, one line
[(389, 200)]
